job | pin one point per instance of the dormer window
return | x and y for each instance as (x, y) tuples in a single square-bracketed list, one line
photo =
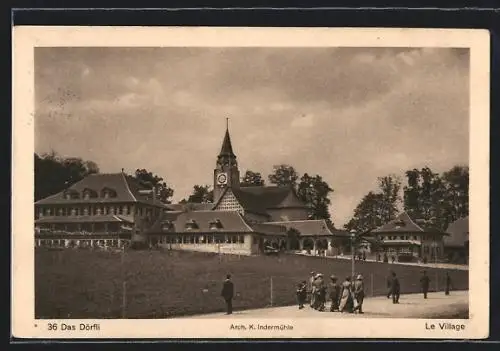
[(167, 226), (71, 194), (108, 193), (215, 224), (191, 224)]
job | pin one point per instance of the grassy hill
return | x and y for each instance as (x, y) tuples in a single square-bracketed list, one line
[(162, 284)]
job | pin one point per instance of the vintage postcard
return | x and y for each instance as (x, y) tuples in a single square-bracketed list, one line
[(250, 183)]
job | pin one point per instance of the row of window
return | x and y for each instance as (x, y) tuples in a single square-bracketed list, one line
[(89, 194), (97, 211), (400, 237), (79, 227), (80, 243), (199, 239)]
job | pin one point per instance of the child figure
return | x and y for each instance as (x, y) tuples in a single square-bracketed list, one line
[(301, 294)]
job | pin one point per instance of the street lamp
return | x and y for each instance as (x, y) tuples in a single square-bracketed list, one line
[(353, 235)]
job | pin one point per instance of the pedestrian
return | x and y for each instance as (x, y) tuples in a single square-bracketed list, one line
[(448, 284), (320, 293), (227, 293), (359, 294), (395, 288), (389, 284), (386, 258), (301, 294), (364, 256), (334, 290), (393, 259), (378, 257), (346, 296), (424, 283), (312, 292)]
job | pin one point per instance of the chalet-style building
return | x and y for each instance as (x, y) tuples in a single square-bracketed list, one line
[(456, 244), (105, 210), (404, 236), (243, 220), (113, 210)]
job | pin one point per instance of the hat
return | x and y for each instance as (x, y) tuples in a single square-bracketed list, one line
[(332, 277), (359, 277), (313, 272), (319, 275)]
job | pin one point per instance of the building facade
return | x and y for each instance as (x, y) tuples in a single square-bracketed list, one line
[(243, 220), (404, 236), (101, 210), (113, 210)]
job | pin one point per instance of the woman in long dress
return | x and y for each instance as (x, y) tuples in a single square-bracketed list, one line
[(346, 303)]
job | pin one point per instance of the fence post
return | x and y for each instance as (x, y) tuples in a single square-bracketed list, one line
[(371, 283), (271, 291), (124, 300)]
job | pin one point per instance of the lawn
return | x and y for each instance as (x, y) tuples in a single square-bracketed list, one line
[(162, 284)]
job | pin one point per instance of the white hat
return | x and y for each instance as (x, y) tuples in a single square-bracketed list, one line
[(359, 277)]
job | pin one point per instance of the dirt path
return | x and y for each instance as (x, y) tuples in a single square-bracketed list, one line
[(437, 305)]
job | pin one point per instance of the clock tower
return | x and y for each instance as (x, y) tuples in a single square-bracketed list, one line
[(226, 173)]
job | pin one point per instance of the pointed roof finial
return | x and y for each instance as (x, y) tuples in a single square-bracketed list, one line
[(227, 148)]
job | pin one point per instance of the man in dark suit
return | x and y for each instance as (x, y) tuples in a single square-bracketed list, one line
[(395, 288), (227, 293), (424, 282)]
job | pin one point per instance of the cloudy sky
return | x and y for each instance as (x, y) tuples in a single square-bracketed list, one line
[(348, 114)]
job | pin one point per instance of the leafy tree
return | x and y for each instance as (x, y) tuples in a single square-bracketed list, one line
[(439, 199), (390, 187), (284, 175), (201, 194), (252, 179), (54, 173), (150, 180), (314, 192), (293, 236), (368, 214)]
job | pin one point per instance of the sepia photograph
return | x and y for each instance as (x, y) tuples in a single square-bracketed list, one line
[(256, 184)]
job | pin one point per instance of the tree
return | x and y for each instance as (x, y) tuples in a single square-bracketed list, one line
[(54, 173), (201, 194), (439, 199), (252, 179), (284, 175), (368, 214), (389, 187), (150, 180), (314, 192), (293, 236)]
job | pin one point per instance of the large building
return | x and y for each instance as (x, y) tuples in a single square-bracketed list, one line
[(101, 210), (240, 220), (404, 236)]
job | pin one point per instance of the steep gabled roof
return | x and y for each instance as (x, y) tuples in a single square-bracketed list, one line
[(404, 224), (190, 206), (312, 227), (458, 233), (232, 222), (126, 188)]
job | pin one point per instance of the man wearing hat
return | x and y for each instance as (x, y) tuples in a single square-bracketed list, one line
[(359, 293), (334, 289), (227, 293), (311, 289), (320, 288)]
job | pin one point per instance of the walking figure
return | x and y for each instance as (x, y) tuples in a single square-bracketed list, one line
[(334, 289), (227, 293), (312, 291), (358, 294), (301, 294), (346, 304), (389, 284), (424, 283), (448, 284), (393, 259), (395, 288)]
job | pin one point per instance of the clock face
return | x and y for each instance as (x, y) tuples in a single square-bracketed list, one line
[(222, 178)]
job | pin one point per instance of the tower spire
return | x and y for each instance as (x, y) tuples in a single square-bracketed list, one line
[(227, 148)]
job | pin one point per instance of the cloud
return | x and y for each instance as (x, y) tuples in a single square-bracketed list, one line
[(348, 114)]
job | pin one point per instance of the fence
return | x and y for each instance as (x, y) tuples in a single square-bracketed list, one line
[(151, 284)]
